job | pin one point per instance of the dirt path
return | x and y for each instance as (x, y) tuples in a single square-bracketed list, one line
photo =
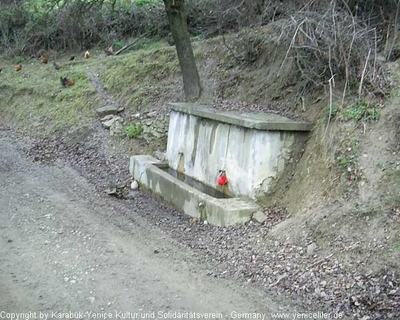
[(63, 248), (107, 99)]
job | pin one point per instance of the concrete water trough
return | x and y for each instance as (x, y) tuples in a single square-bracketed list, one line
[(218, 211), (252, 149)]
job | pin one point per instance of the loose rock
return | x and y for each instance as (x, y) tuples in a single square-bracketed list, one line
[(259, 217), (109, 123), (107, 110), (134, 185)]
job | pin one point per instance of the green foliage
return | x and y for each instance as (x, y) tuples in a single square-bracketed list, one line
[(380, 166), (332, 112), (133, 131), (18, 59), (34, 99), (346, 160), (353, 84), (361, 111), (119, 44), (147, 70), (147, 2), (76, 24)]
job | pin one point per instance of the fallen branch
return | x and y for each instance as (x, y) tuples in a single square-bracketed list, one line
[(319, 261), (132, 43), (279, 280), (363, 74), (331, 86)]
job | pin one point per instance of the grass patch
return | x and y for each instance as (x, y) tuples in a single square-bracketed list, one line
[(34, 100), (332, 113), (133, 131), (361, 111), (380, 166), (143, 77)]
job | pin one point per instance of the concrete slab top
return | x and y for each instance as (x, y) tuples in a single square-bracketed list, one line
[(258, 121)]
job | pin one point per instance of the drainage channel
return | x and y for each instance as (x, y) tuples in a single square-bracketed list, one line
[(194, 183)]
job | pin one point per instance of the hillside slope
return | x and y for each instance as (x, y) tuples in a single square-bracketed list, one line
[(342, 191)]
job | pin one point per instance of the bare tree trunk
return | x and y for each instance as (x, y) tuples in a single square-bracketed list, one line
[(395, 31), (177, 20)]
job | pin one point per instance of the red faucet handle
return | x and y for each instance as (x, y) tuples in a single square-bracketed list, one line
[(222, 179)]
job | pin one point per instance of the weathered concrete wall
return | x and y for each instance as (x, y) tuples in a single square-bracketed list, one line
[(253, 159)]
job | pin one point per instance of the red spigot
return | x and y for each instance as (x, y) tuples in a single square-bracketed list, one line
[(222, 178)]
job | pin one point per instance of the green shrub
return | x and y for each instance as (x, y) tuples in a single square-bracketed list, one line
[(133, 131), (332, 112), (18, 59), (361, 111), (76, 24), (147, 2), (119, 44)]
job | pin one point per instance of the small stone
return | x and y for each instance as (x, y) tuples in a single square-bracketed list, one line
[(259, 217), (134, 185), (132, 195), (160, 155), (152, 114), (311, 248), (156, 134), (156, 251), (146, 129), (107, 124), (116, 128), (107, 117), (91, 299), (101, 112), (193, 220), (111, 191), (121, 185), (9, 241)]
